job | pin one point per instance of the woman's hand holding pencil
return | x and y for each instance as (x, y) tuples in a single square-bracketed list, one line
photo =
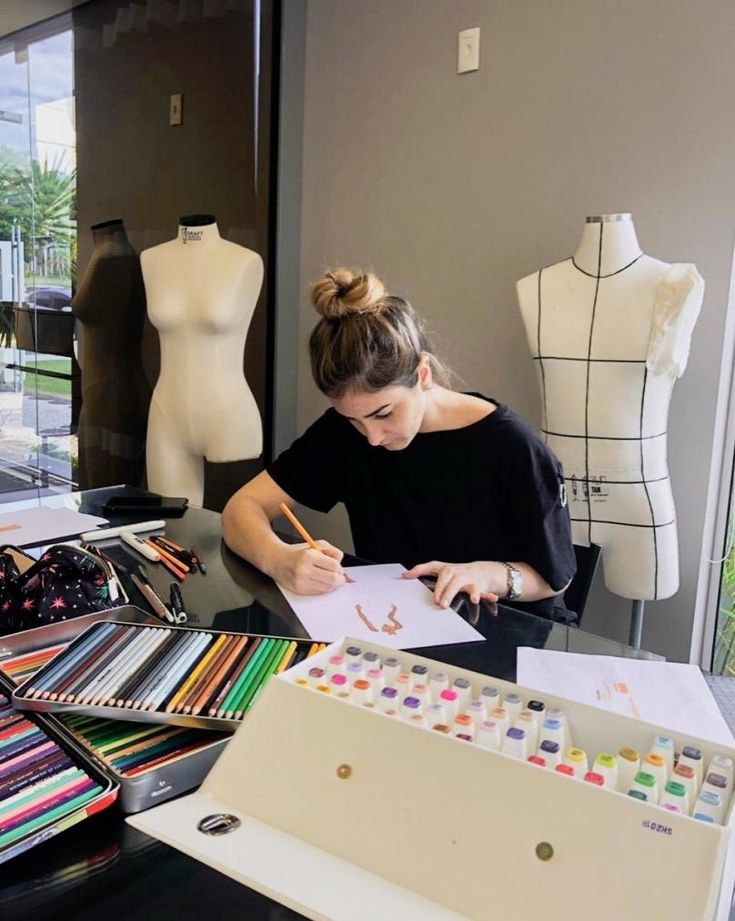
[(312, 569)]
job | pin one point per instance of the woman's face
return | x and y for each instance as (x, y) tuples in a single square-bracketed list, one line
[(388, 418)]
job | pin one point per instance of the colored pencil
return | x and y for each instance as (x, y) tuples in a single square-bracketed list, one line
[(255, 683), (194, 676), (287, 656), (163, 660), (168, 683), (264, 651), (303, 533), (109, 679), (217, 681), (214, 661), (127, 693), (240, 664), (57, 669), (174, 565), (249, 662), (96, 664)]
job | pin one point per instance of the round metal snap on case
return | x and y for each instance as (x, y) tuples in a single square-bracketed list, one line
[(221, 823)]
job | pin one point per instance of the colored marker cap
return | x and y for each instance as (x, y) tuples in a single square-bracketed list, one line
[(420, 670), (517, 734), (710, 798), (536, 759), (490, 693), (392, 662), (411, 703), (316, 672), (548, 746), (701, 817), (645, 779), (339, 680), (389, 693), (463, 736), (638, 794), (606, 761), (683, 770), (371, 657), (463, 720), (553, 724), (716, 780), (361, 685), (672, 807), (448, 695), (595, 778), (441, 727), (353, 651), (510, 698), (664, 742), (628, 754), (689, 751), (565, 769), (675, 789), (336, 660), (655, 760), (538, 706), (576, 754)]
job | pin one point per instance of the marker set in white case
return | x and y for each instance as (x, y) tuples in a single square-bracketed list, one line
[(378, 815), (664, 775)]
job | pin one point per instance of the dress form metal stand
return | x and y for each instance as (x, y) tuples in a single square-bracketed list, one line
[(636, 623)]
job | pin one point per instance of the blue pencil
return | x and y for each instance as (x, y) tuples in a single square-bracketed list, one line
[(60, 669)]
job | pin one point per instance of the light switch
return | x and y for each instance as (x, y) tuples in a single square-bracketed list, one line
[(175, 109), (468, 50)]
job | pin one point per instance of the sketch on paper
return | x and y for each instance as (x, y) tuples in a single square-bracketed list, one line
[(380, 605)]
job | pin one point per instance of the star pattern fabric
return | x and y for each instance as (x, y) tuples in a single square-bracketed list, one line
[(64, 582)]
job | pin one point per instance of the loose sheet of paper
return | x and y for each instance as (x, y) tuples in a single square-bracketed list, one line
[(381, 606), (669, 694), (44, 525)]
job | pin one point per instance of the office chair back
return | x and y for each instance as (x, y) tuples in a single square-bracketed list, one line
[(575, 597)]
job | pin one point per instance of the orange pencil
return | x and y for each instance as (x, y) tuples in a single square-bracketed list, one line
[(173, 564), (303, 532)]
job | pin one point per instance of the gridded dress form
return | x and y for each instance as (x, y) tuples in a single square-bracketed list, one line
[(110, 305), (608, 350)]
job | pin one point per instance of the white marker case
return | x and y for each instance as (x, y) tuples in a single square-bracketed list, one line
[(377, 842)]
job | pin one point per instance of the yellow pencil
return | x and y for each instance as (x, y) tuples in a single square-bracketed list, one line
[(190, 681), (287, 656), (304, 533)]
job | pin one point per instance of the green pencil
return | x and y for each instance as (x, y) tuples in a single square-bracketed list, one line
[(254, 677), (262, 650), (248, 698)]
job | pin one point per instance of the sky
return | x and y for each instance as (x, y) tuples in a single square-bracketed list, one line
[(48, 73)]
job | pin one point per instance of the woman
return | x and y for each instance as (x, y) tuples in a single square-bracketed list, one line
[(452, 485)]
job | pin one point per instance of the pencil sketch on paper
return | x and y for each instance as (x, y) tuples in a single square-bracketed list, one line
[(391, 628)]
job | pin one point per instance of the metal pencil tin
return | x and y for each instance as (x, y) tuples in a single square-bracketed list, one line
[(147, 789), (106, 796), (24, 702)]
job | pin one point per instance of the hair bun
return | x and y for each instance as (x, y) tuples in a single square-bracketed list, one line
[(342, 291)]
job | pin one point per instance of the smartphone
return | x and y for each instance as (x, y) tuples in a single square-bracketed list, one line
[(156, 506)]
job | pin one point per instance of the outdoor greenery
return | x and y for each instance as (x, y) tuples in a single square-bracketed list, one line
[(40, 200), (724, 663)]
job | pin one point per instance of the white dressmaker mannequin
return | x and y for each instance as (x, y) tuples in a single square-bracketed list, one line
[(201, 292), (610, 331)]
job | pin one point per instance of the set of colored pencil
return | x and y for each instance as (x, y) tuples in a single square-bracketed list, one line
[(166, 669), (19, 668), (40, 783), (131, 749)]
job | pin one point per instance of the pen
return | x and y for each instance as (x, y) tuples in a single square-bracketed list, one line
[(144, 586), (183, 557), (104, 533), (177, 604), (198, 560), (173, 565), (304, 533)]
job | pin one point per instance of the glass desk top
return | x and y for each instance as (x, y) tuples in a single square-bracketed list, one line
[(103, 868)]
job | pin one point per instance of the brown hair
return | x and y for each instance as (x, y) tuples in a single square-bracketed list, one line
[(367, 339)]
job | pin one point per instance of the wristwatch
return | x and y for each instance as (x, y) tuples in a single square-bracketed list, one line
[(515, 582)]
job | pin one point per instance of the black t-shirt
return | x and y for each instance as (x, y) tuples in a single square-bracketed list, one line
[(492, 490)]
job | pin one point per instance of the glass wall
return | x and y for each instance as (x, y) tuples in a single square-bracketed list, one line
[(115, 121), (38, 447)]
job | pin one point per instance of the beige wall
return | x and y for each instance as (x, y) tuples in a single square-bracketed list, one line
[(453, 187)]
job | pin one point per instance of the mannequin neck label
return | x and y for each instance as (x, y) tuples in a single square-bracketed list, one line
[(191, 236)]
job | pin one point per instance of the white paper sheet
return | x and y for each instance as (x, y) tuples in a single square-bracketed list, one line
[(44, 525), (381, 606), (669, 694)]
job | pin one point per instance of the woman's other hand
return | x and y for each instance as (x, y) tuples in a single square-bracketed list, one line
[(481, 581)]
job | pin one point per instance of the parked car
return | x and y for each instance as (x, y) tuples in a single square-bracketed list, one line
[(50, 296)]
